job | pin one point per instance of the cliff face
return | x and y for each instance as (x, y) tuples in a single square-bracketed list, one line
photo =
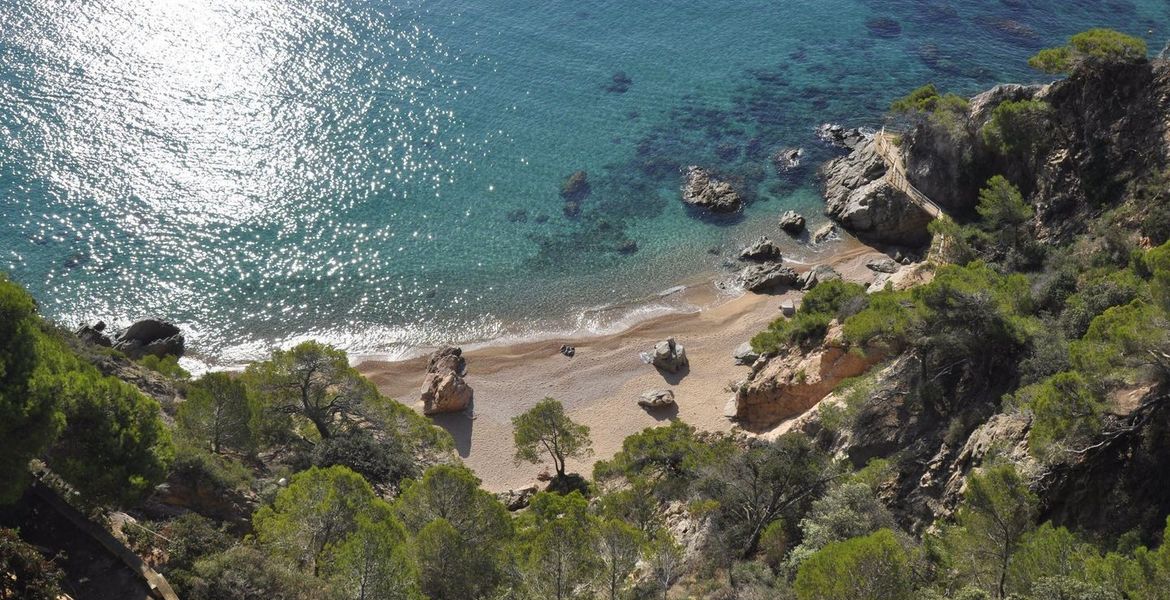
[(1106, 130)]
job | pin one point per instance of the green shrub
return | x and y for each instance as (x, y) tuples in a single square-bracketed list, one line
[(1095, 48), (168, 366)]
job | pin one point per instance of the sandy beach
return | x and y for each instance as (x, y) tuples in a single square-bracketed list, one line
[(601, 384)]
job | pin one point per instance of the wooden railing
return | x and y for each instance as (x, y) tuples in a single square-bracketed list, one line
[(896, 174)]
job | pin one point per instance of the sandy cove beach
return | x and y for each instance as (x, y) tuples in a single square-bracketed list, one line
[(601, 384)]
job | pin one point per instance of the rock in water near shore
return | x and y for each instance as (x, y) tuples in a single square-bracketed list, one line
[(825, 233), (668, 355), (703, 191), (766, 277), (860, 196), (151, 337), (836, 135), (443, 389), (787, 160), (95, 334), (656, 399), (763, 250), (792, 223), (619, 84)]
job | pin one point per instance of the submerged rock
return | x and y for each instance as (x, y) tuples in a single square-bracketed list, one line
[(443, 389), (151, 337), (762, 250), (576, 187), (619, 84), (883, 27), (766, 277), (792, 223), (704, 191), (656, 399)]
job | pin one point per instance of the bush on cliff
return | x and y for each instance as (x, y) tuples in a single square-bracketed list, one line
[(826, 302), (1095, 48)]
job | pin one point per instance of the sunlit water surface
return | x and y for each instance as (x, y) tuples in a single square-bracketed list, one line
[(386, 175)]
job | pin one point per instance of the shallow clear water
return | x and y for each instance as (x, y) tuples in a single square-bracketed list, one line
[(265, 170)]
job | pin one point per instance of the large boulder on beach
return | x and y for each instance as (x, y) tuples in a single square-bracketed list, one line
[(151, 337), (701, 190), (443, 389), (792, 223), (815, 276), (656, 399), (860, 196), (762, 250), (668, 355), (766, 277), (745, 355), (826, 232)]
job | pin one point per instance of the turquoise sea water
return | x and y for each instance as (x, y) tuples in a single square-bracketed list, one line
[(386, 175)]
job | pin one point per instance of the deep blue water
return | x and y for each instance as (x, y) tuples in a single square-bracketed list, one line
[(387, 174)]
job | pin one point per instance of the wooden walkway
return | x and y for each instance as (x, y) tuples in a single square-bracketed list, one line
[(896, 174)]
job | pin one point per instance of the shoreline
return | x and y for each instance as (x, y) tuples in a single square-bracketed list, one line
[(599, 387)]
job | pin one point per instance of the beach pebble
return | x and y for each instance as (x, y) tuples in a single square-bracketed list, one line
[(568, 350)]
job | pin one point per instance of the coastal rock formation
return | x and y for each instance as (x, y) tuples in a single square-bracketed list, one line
[(816, 275), (668, 355), (744, 355), (703, 191), (792, 223), (576, 187), (790, 384), (762, 250), (656, 399), (859, 195), (883, 265), (619, 84), (766, 277), (515, 500), (787, 160), (443, 389), (836, 135), (827, 232), (151, 337), (95, 334)]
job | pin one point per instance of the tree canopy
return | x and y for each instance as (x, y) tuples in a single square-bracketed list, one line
[(546, 429)]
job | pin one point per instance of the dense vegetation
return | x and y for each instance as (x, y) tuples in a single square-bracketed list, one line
[(338, 492)]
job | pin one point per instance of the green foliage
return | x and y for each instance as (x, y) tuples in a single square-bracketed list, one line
[(820, 306), (206, 471), (998, 511), (1097, 48), (319, 512), (545, 428), (1065, 412), (168, 366), (1003, 210), (885, 321), (115, 447), (417, 433), (946, 112), (874, 567), (618, 546), (30, 414), (244, 573), (847, 511), (314, 382), (1122, 341), (1095, 294), (764, 483), (461, 533), (1046, 554), (374, 561), (218, 414), (24, 573), (382, 461), (1018, 130), (558, 540), (667, 459)]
